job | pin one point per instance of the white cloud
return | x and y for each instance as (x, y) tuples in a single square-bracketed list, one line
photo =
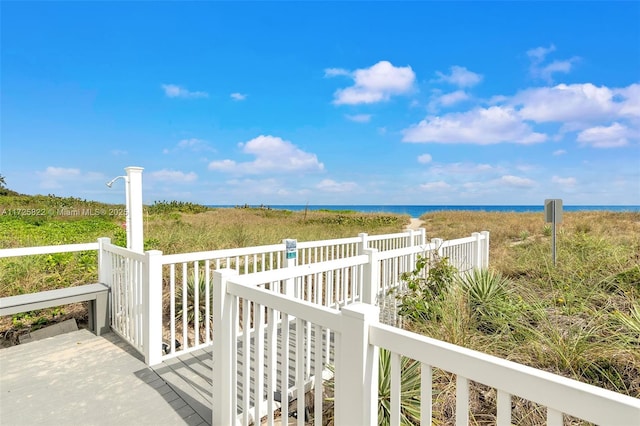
[(424, 159), (463, 169), (374, 84), (538, 54), (359, 118), (223, 165), (238, 96), (567, 103), (481, 126), (449, 99), (333, 72), (173, 176), (54, 177), (559, 152), (191, 144), (612, 136), (630, 103), (60, 173), (435, 186), (273, 154), (175, 91), (460, 76), (329, 185), (545, 72), (568, 181), (516, 181)]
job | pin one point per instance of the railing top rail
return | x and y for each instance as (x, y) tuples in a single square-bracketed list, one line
[(124, 252), (458, 241), (389, 254), (388, 236), (316, 314), (569, 396), (219, 254), (321, 243), (300, 271), (63, 248)]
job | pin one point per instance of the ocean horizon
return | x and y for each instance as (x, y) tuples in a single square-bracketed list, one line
[(416, 211)]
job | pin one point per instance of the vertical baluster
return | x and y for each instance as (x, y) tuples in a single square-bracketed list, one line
[(462, 401), (395, 389), (503, 409), (317, 371), (284, 362), (426, 394), (272, 368), (246, 360), (185, 307), (300, 368), (196, 303), (258, 366)]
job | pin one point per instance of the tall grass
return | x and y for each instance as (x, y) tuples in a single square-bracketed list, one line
[(579, 318)]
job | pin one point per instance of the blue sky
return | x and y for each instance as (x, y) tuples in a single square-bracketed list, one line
[(324, 102)]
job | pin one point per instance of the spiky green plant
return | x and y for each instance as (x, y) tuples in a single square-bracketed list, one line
[(190, 301), (409, 390), (487, 293)]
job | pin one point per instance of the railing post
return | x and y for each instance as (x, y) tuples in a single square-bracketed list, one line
[(423, 236), (224, 323), (477, 251), (290, 261), (135, 225), (103, 262), (356, 378), (371, 277), (437, 242), (485, 250), (364, 242), (152, 302)]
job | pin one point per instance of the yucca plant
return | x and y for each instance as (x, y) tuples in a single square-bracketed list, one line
[(190, 302), (409, 391), (487, 294)]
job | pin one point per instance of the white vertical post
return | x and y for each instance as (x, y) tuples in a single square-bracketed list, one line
[(423, 236), (363, 243), (224, 324), (477, 250), (356, 377), (152, 303), (437, 242), (135, 229), (485, 250), (290, 262), (103, 264), (371, 278)]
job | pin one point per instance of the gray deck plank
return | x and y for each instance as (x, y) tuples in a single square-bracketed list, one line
[(80, 378)]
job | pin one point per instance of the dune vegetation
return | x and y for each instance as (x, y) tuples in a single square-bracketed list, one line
[(579, 318)]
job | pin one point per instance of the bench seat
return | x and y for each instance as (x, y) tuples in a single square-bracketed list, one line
[(96, 294)]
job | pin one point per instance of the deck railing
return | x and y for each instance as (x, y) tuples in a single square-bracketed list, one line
[(257, 364), (162, 304)]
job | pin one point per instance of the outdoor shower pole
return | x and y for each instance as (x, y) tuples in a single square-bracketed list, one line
[(135, 231)]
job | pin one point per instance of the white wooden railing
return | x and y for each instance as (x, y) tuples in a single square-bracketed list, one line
[(250, 363)]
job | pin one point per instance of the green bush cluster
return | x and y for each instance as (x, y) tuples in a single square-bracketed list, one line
[(166, 207)]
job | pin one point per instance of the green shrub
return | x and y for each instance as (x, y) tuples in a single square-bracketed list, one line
[(427, 285)]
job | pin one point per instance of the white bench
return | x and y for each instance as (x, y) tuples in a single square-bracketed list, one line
[(96, 294)]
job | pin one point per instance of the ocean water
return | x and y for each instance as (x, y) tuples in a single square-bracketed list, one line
[(417, 211)]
